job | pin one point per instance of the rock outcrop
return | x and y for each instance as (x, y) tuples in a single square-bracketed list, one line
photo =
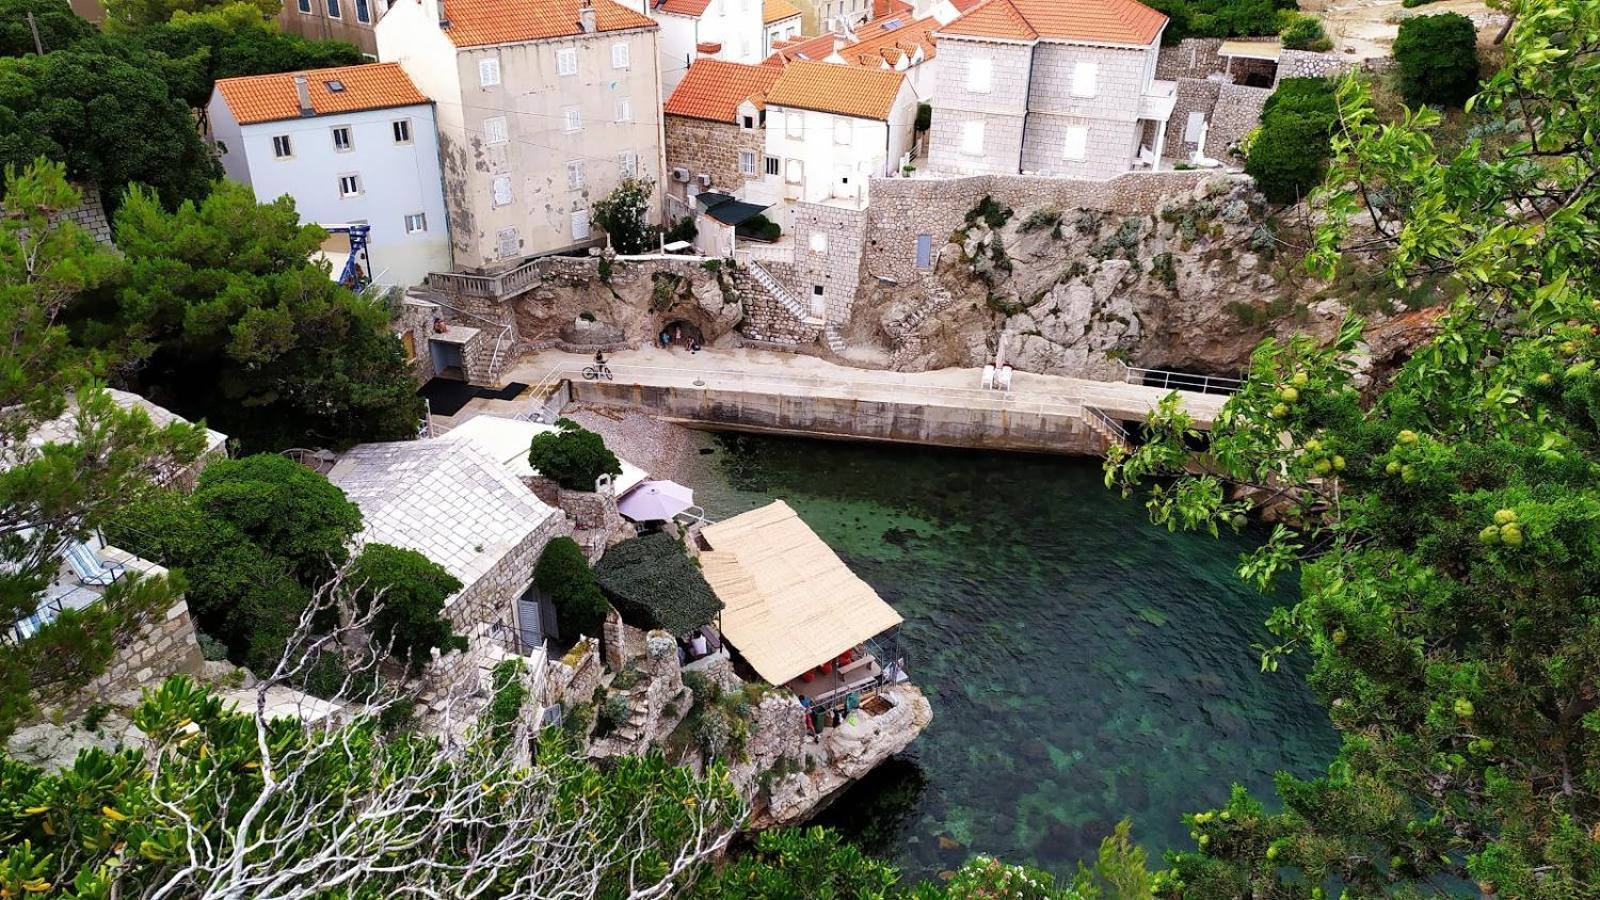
[(1194, 287), (831, 762)]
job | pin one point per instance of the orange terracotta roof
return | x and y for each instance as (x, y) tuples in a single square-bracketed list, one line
[(881, 8), (1094, 21), (890, 38), (713, 89), (681, 7), (272, 98), (841, 90), (777, 11), (709, 48), (817, 48), (485, 23)]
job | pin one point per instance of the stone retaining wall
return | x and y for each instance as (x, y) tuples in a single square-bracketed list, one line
[(903, 208), (1237, 113), (165, 647)]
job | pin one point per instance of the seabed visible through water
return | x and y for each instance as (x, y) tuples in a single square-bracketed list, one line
[(1083, 664)]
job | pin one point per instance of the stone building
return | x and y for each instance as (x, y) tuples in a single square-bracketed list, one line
[(716, 131), (543, 106), (1050, 87), (464, 509)]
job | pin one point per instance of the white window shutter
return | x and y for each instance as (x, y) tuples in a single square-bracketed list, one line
[(494, 130), (1084, 78), (1077, 143), (619, 56), (488, 72), (567, 62), (502, 190), (972, 137), (580, 225), (980, 75)]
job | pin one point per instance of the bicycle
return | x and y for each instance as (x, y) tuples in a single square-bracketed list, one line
[(595, 373)]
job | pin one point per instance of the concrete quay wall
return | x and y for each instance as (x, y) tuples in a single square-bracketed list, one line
[(997, 425)]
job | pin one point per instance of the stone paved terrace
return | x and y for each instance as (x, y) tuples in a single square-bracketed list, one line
[(794, 375)]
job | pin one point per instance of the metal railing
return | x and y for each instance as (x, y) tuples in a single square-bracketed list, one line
[(1111, 429), (1181, 381)]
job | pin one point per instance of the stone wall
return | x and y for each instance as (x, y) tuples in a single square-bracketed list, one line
[(492, 599), (1198, 58), (766, 319), (623, 643), (416, 319), (1311, 64), (836, 269), (90, 215), (711, 148), (903, 208), (1237, 113), (1193, 95), (165, 647)]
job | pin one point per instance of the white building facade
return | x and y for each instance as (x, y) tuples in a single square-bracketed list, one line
[(830, 128), (356, 144), (728, 30)]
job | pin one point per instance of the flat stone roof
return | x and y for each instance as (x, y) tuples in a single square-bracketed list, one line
[(443, 498)]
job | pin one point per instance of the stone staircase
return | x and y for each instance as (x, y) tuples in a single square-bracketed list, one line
[(772, 312), (834, 340), (1109, 429)]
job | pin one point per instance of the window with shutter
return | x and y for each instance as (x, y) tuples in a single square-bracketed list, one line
[(575, 174), (972, 138), (796, 172), (842, 128), (794, 124), (747, 162), (501, 188), (624, 110), (1077, 143), (580, 225), (494, 130), (628, 163), (619, 56), (1084, 78), (488, 72), (567, 62), (980, 75), (772, 165), (574, 118)]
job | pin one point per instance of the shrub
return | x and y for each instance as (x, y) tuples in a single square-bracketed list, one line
[(625, 215), (653, 584), (411, 590), (563, 575), (682, 230), (1303, 32), (283, 507), (1438, 59), (924, 116), (1290, 152), (572, 456), (990, 212)]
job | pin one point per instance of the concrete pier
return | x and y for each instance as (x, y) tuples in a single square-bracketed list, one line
[(750, 390)]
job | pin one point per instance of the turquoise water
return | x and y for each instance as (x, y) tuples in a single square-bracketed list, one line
[(1083, 665)]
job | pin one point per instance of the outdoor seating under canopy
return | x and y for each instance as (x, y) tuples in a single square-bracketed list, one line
[(793, 608)]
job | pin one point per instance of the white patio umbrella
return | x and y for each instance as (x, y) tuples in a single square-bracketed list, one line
[(656, 501)]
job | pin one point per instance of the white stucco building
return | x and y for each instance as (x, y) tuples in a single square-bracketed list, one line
[(1050, 87), (355, 144), (544, 106), (830, 128), (729, 30)]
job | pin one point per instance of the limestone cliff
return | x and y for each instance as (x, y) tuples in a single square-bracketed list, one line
[(1193, 287)]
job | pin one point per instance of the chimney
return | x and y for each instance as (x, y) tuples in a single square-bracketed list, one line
[(302, 90), (444, 17), (586, 19)]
